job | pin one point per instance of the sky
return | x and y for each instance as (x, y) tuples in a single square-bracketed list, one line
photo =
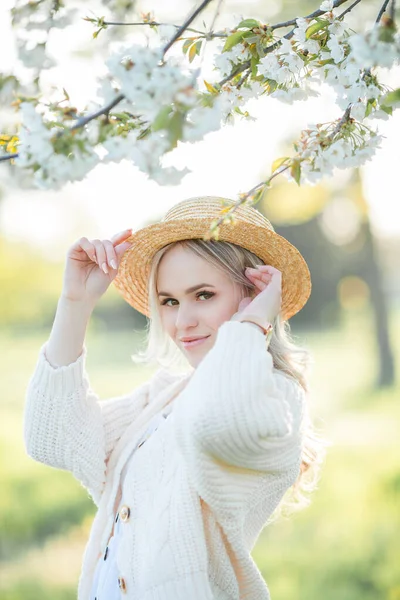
[(116, 196)]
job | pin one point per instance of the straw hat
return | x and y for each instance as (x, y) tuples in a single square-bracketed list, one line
[(191, 219)]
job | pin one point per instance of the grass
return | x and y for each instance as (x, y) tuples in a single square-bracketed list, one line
[(343, 546)]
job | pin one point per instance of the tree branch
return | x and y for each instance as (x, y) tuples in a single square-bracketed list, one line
[(102, 111), (8, 157), (246, 65), (155, 24), (312, 15), (382, 10), (348, 9), (105, 109), (244, 197), (186, 24), (343, 120)]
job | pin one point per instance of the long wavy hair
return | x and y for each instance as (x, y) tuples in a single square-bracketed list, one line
[(288, 357)]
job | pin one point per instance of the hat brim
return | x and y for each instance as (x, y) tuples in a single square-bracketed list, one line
[(273, 249)]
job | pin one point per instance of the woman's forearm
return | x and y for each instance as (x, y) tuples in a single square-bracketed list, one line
[(67, 336)]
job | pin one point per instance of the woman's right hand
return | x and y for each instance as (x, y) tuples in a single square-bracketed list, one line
[(85, 279)]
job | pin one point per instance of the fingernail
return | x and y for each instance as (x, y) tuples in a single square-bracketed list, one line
[(113, 264), (104, 267)]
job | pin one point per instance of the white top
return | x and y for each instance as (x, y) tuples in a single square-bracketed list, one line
[(204, 485), (105, 581)]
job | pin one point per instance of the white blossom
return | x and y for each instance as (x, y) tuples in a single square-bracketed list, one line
[(368, 50), (327, 5), (118, 147), (269, 66), (224, 61), (60, 168), (290, 95), (337, 28), (337, 51), (299, 32), (35, 57), (34, 137), (169, 175), (202, 120), (358, 111), (146, 83), (377, 114), (150, 83)]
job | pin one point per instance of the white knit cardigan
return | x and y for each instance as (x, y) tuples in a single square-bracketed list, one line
[(201, 488)]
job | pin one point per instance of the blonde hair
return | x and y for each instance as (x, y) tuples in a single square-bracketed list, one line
[(289, 358)]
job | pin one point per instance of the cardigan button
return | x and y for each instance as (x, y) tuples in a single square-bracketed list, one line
[(124, 513), (122, 584)]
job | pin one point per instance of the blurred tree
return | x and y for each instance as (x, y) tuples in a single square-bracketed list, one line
[(368, 267), (294, 212), (333, 233)]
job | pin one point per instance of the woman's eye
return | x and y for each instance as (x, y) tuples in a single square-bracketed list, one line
[(210, 294)]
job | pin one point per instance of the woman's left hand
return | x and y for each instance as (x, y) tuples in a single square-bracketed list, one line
[(268, 293)]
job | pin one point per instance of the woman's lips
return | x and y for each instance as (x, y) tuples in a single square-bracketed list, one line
[(195, 342)]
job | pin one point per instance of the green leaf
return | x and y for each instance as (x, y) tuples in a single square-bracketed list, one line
[(210, 87), (321, 24), (249, 23), (295, 171), (198, 46), (370, 105), (232, 40), (162, 119), (254, 62), (278, 163), (251, 39), (192, 53), (186, 45), (175, 129), (387, 109), (391, 98)]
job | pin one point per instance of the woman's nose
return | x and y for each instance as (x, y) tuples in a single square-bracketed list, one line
[(185, 318)]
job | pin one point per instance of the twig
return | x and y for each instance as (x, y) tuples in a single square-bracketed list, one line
[(8, 157), (155, 24), (312, 15), (244, 197), (102, 111), (382, 10), (348, 9), (243, 79), (186, 24), (208, 35), (247, 64), (343, 120)]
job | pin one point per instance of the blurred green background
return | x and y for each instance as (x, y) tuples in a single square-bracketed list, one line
[(345, 545)]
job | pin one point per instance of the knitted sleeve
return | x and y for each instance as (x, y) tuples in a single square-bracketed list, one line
[(66, 426), (238, 416)]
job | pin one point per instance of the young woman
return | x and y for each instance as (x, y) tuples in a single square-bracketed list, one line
[(227, 440)]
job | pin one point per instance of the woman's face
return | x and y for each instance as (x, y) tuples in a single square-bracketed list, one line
[(187, 312)]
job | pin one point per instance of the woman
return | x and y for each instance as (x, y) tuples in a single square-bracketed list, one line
[(225, 440)]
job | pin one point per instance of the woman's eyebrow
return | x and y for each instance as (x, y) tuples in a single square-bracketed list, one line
[(189, 290)]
